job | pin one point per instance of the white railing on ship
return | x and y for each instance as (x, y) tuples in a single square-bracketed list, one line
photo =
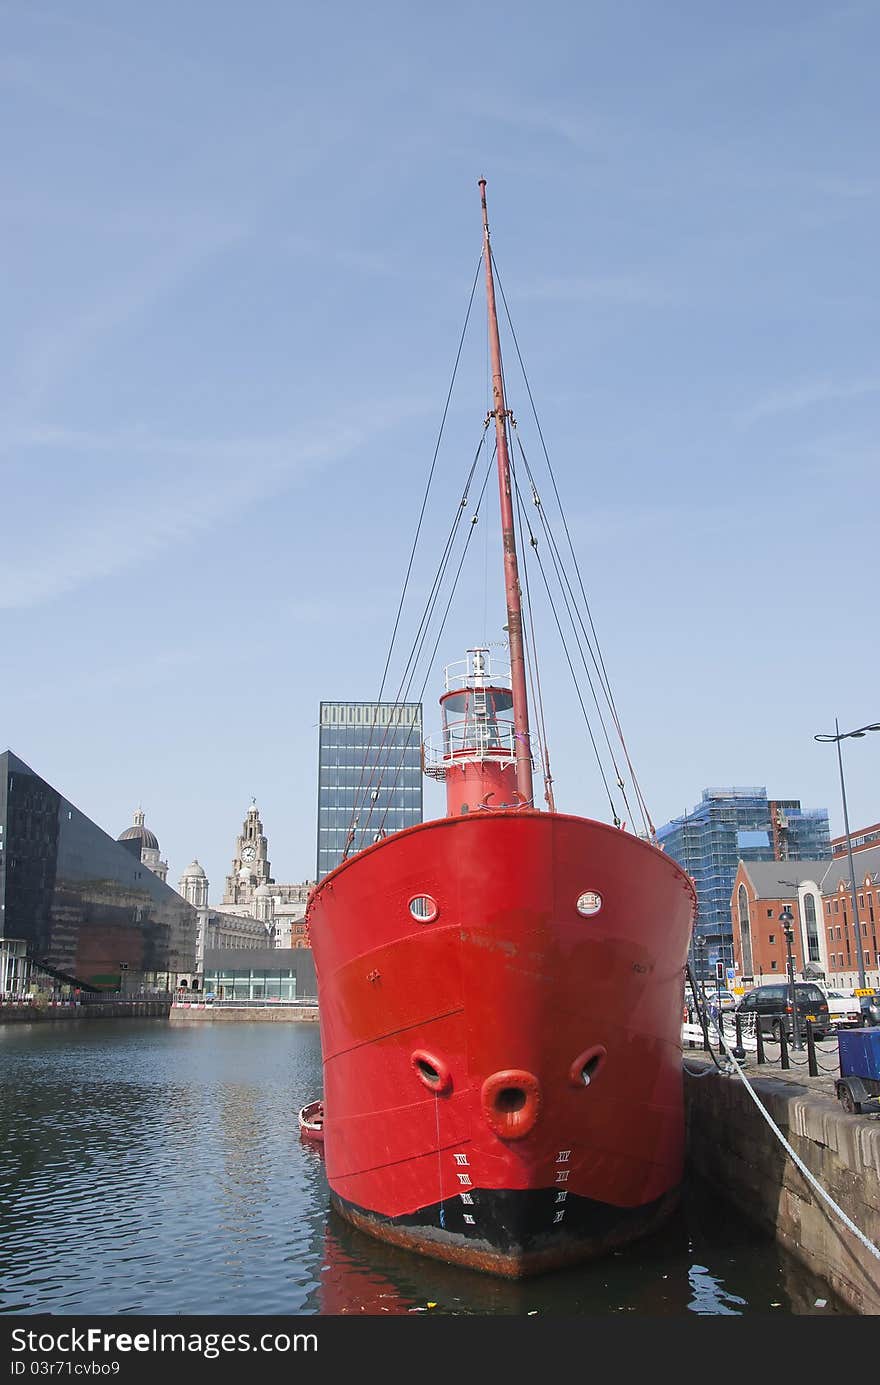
[(466, 673), (493, 740)]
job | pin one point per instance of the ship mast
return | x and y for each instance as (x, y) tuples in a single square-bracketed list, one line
[(511, 571)]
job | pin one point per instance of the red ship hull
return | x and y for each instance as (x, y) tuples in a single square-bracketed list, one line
[(503, 1081)]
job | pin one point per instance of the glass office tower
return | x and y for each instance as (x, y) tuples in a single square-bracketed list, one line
[(734, 824), (369, 775)]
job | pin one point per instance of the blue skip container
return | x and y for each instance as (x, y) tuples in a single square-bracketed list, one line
[(859, 1051)]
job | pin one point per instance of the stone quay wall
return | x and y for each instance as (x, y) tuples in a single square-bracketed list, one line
[(731, 1145), (104, 1010), (220, 1014)]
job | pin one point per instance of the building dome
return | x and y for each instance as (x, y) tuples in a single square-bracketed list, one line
[(146, 837), (262, 891), (140, 832), (195, 869)]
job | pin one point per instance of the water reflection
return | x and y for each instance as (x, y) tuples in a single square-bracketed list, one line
[(667, 1275), (150, 1168)]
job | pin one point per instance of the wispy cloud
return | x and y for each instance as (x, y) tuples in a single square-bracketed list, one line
[(635, 289), (107, 532), (619, 527), (839, 456), (51, 350), (805, 396), (853, 189), (564, 121), (163, 665), (361, 261)]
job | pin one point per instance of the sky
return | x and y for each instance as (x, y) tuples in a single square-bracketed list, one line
[(238, 244)]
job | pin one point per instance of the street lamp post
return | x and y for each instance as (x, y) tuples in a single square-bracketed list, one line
[(796, 886), (837, 738), (786, 918)]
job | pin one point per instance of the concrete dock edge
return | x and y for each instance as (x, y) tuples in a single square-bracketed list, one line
[(731, 1145)]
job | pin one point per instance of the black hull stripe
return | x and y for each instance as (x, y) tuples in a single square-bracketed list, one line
[(513, 1233)]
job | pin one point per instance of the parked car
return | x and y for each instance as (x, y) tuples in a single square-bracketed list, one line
[(869, 1006), (771, 1007), (728, 1001), (843, 1007)]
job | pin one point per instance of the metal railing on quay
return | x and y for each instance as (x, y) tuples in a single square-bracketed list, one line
[(194, 1000), (819, 1056), (114, 997)]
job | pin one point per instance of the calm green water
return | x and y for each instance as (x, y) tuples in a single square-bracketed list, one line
[(147, 1168)]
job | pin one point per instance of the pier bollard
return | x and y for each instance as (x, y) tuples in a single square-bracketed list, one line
[(784, 1059), (812, 1065), (759, 1040), (739, 1052)]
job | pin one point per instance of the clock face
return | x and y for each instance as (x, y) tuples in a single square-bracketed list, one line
[(248, 853)]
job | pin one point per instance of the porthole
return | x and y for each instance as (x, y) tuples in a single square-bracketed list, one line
[(588, 903), (423, 908)]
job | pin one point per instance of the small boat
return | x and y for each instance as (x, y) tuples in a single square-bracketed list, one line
[(311, 1122), (500, 988)]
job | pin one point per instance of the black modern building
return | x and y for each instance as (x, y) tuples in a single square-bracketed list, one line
[(82, 908)]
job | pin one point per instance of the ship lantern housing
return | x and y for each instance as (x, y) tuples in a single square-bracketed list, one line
[(477, 758)]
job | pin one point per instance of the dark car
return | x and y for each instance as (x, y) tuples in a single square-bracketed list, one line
[(771, 1006), (870, 1007)]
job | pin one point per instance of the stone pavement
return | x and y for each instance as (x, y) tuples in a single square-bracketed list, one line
[(821, 1086)]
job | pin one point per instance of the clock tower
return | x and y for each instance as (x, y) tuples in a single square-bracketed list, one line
[(250, 864)]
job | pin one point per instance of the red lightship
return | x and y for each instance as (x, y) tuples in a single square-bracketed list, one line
[(500, 992)]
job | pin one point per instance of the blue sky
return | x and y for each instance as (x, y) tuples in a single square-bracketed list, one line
[(238, 244)]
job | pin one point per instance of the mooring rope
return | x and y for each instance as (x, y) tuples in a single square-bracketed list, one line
[(814, 1183)]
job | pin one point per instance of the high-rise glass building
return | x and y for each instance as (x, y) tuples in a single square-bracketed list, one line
[(369, 775), (733, 824)]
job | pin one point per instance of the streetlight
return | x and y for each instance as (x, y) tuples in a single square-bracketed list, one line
[(786, 918), (796, 886), (837, 738)]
